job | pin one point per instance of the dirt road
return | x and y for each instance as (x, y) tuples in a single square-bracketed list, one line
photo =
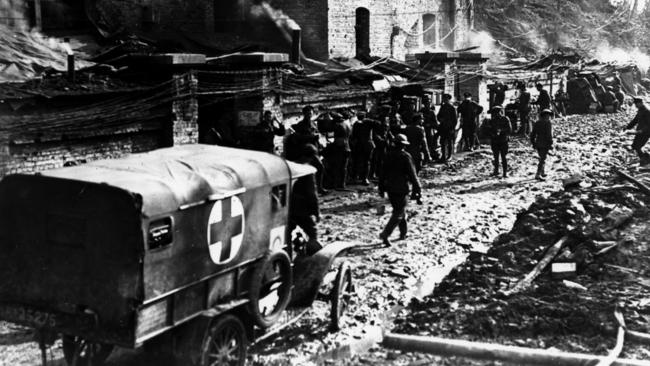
[(464, 208)]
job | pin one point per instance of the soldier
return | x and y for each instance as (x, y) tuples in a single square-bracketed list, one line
[(398, 172), (524, 109), (544, 99), (305, 132), (469, 112), (542, 139), (363, 137), (268, 128), (430, 126), (340, 150), (303, 207), (418, 147), (499, 93), (500, 130), (448, 121), (642, 123), (381, 136)]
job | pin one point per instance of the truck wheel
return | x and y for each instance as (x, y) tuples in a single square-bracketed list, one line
[(79, 352), (225, 343), (270, 290), (340, 295)]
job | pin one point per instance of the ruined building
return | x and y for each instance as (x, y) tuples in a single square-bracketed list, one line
[(333, 28)]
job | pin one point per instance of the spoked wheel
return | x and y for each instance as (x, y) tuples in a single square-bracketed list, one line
[(80, 352), (270, 289), (341, 294), (225, 343)]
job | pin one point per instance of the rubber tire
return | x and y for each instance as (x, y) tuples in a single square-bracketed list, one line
[(265, 321), (69, 348), (342, 285), (218, 325)]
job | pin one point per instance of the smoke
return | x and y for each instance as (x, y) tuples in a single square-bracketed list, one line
[(484, 41), (607, 53), (25, 53), (641, 4)]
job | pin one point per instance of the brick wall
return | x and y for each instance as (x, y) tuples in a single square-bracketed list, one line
[(39, 156), (169, 124), (394, 30), (185, 110)]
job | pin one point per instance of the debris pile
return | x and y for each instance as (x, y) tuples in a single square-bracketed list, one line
[(601, 239)]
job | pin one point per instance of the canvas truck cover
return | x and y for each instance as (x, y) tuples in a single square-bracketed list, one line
[(72, 240)]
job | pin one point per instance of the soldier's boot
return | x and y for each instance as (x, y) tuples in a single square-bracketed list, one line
[(495, 172), (505, 169), (540, 171)]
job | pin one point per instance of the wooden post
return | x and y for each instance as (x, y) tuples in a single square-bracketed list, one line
[(496, 352)]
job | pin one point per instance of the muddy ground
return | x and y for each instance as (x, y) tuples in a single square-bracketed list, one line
[(464, 210)]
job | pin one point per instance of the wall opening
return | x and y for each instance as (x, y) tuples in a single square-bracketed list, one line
[(362, 31), (430, 28)]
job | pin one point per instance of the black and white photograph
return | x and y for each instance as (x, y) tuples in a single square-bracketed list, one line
[(324, 182)]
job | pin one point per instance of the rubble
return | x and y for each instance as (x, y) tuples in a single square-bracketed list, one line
[(572, 315)]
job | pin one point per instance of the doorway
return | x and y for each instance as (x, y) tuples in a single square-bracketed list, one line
[(362, 30)]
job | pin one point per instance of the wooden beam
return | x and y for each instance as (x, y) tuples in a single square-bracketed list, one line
[(530, 277), (642, 187), (496, 352)]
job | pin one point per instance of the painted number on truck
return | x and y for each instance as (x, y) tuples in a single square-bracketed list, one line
[(225, 229), (28, 316)]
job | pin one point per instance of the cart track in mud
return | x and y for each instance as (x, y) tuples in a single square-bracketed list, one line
[(463, 208)]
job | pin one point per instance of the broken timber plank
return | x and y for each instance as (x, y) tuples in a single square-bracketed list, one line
[(496, 352), (642, 187), (530, 277)]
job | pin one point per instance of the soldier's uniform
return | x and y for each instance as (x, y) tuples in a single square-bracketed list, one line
[(642, 123), (418, 147), (542, 139), (448, 119), (524, 111), (340, 151), (469, 112), (363, 137), (430, 128), (500, 130), (303, 207), (544, 99), (398, 172)]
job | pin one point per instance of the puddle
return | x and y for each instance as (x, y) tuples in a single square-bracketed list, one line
[(421, 288)]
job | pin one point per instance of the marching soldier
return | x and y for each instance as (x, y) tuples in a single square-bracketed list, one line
[(398, 172), (542, 139)]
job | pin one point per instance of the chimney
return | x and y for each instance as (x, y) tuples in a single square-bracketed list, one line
[(296, 47), (71, 66)]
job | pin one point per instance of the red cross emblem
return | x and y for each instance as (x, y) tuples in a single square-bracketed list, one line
[(225, 229)]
